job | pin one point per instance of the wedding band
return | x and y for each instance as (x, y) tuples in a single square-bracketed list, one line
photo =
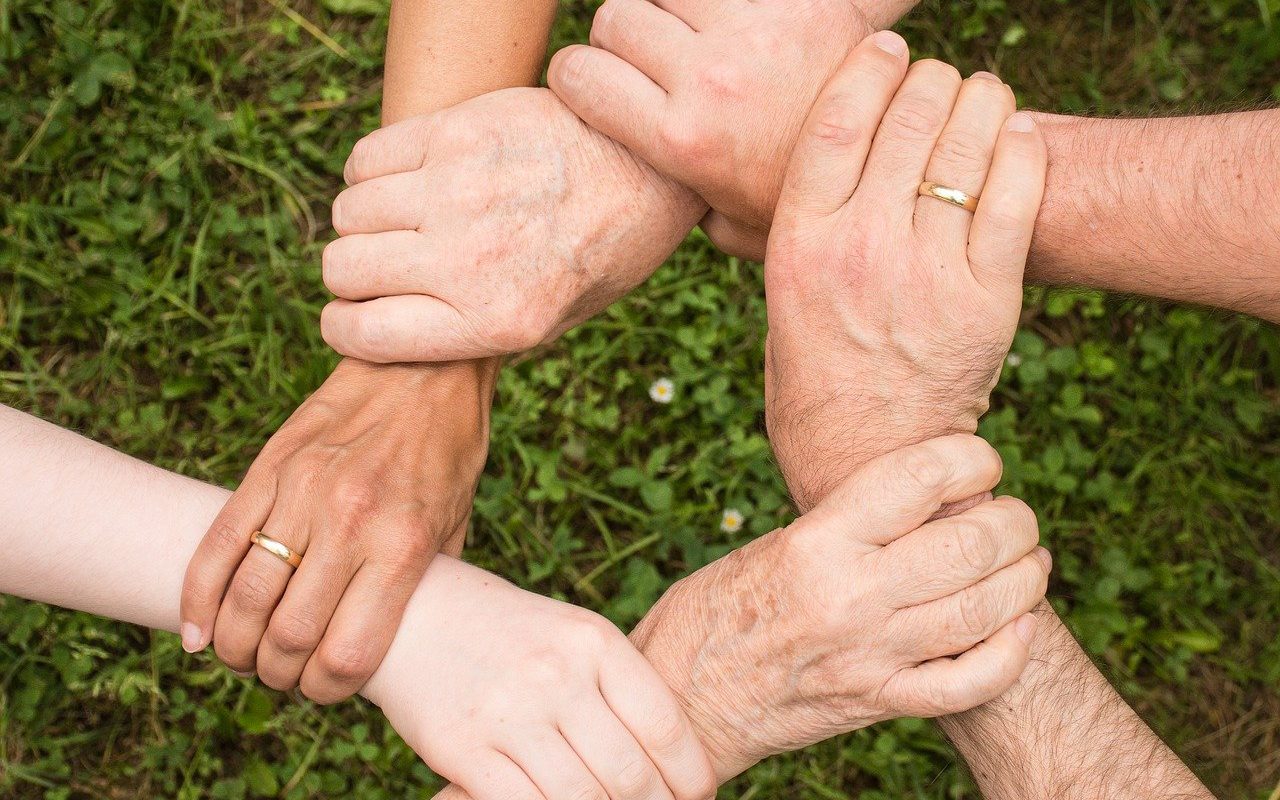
[(948, 195), (276, 549)]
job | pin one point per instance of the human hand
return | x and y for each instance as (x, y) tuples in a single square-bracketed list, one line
[(512, 696), (711, 94), (490, 228), (859, 611), (889, 313), (365, 482)]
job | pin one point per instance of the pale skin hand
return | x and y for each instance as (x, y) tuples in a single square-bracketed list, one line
[(676, 83), (891, 313), (920, 591), (853, 613), (592, 712), (321, 484), (490, 228)]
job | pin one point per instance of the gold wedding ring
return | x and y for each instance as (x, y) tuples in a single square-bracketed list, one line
[(949, 195), (276, 549)]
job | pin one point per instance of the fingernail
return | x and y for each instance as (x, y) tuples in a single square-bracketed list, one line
[(1045, 557), (192, 637), (983, 75), (248, 674), (891, 43), (1021, 123), (1025, 627)]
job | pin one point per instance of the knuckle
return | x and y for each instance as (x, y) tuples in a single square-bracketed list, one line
[(570, 65), (687, 142), (723, 80), (972, 615), (836, 122), (352, 500), (666, 729), (976, 545), (635, 778), (252, 592), (334, 267), (937, 72), (915, 117), (356, 161), (595, 633), (294, 635), (347, 662), (963, 149), (340, 214), (922, 471), (227, 538)]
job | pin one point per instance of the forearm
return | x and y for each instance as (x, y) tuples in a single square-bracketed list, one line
[(1063, 732), (85, 527), (1182, 209), (439, 53)]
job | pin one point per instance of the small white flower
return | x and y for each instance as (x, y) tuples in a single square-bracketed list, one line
[(1014, 360), (662, 391), (731, 520)]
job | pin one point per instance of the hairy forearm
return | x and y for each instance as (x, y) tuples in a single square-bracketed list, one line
[(1063, 733), (1183, 209)]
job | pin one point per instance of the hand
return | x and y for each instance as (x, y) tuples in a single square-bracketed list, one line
[(490, 228), (857, 612), (369, 478), (514, 696), (890, 314), (711, 94)]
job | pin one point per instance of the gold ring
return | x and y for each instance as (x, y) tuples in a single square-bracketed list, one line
[(949, 195), (276, 549)]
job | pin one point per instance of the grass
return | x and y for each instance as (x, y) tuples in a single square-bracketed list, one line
[(166, 169)]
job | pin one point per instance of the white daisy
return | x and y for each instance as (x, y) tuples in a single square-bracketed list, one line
[(731, 520), (1014, 360), (662, 391)]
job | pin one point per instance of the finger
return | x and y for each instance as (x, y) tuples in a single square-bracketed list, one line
[(963, 158), (386, 203), (949, 686), (401, 147), (360, 632), (645, 36), (1000, 238), (829, 155), (898, 492), (642, 701), (951, 554), (257, 587), (615, 98), (405, 328), (733, 238), (364, 266), (907, 137), (974, 613), (555, 768), (219, 555), (698, 14), (612, 754), (300, 619), (493, 776)]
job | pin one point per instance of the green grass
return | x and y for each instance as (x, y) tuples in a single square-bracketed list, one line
[(165, 173)]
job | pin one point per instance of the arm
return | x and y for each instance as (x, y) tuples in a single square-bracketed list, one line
[(921, 336), (864, 623), (85, 527), (1174, 208), (1182, 209), (391, 492)]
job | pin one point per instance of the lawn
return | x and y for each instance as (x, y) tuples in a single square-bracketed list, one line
[(165, 174)]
